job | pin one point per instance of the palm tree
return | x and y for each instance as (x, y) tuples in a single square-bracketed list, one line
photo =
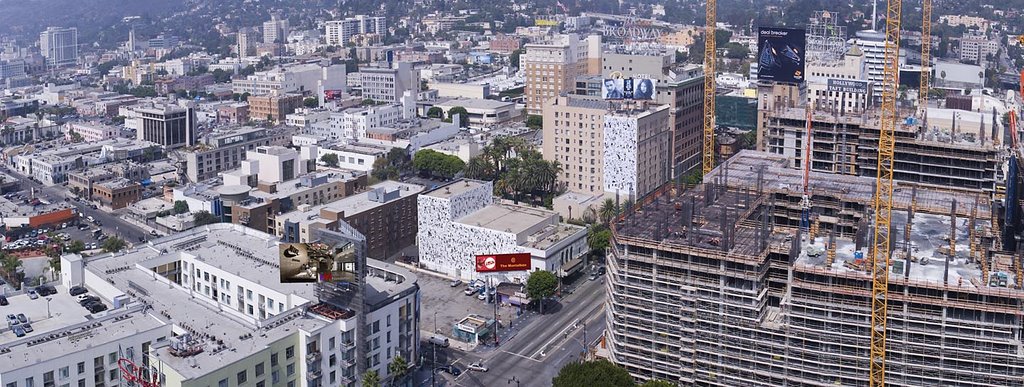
[(608, 211), (371, 379), (398, 368), (9, 266), (480, 168)]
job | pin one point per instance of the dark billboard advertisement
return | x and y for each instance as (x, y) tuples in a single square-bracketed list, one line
[(502, 262), (780, 54)]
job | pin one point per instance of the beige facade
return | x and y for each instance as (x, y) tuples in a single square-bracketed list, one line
[(552, 68), (273, 107), (606, 148)]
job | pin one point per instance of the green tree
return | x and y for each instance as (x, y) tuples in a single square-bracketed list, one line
[(371, 379), (592, 373), (534, 121), (435, 112), (114, 244), (221, 76), (203, 218), (311, 102), (180, 206), (541, 285), (398, 368), (480, 168), (437, 164), (331, 159), (76, 246), (609, 210), (736, 51), (382, 170), (463, 114), (9, 265), (368, 102), (513, 59), (598, 239)]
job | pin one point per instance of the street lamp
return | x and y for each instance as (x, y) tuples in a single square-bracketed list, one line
[(48, 299), (513, 379)]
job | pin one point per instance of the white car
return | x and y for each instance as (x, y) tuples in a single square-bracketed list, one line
[(478, 366), (83, 297)]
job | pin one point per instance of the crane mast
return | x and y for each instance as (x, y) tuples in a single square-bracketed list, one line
[(926, 61), (805, 202), (883, 195), (709, 88)]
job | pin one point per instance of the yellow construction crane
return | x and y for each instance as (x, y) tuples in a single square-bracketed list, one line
[(926, 60), (709, 87), (883, 194)]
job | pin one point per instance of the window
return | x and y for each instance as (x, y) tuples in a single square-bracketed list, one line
[(64, 373), (81, 367), (330, 343), (242, 377), (291, 383), (222, 383), (260, 384), (15, 384), (275, 377), (289, 352), (273, 360), (291, 369), (259, 369), (113, 374)]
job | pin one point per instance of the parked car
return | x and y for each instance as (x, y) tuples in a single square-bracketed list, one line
[(90, 218), (456, 283), (96, 308), (594, 276), (18, 331), (88, 299), (12, 319), (478, 366), (77, 290), (455, 371), (3, 301), (32, 294), (27, 327), (470, 291), (440, 341), (21, 318), (46, 290)]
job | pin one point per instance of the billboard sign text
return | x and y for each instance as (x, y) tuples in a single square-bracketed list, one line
[(780, 54), (847, 86), (502, 262)]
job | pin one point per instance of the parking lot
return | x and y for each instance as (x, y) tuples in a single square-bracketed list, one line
[(448, 305), (63, 310)]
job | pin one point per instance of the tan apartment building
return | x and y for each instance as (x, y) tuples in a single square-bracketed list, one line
[(552, 67), (607, 148), (273, 107)]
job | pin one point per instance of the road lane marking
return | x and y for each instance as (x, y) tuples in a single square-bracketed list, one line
[(524, 357)]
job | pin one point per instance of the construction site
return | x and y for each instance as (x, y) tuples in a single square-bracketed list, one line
[(719, 285)]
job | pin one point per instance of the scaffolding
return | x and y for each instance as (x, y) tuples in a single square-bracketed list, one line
[(711, 286)]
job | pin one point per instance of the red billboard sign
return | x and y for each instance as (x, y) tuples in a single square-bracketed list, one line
[(502, 262)]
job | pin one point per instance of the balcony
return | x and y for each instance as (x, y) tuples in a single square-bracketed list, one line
[(314, 375), (348, 344), (313, 357)]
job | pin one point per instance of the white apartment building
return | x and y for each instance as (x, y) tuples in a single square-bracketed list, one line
[(340, 32), (275, 30), (307, 78), (59, 46), (304, 118), (975, 46), (90, 131), (351, 125), (460, 220), (273, 164), (206, 308), (355, 156), (388, 85), (48, 168)]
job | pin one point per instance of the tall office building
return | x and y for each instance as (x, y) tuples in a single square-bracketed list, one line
[(168, 125), (59, 46), (340, 32), (606, 148), (275, 30), (389, 84), (552, 67), (246, 42)]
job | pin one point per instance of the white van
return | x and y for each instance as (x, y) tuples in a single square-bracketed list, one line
[(438, 341)]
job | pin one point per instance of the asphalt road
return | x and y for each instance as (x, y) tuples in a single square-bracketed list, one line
[(112, 223), (536, 354)]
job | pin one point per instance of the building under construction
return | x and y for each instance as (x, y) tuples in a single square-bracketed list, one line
[(955, 149), (717, 285)]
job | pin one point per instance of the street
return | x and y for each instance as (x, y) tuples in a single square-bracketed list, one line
[(112, 223), (535, 354)]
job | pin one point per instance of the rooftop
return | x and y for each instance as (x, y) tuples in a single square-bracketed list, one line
[(475, 103), (508, 218), (353, 204), (455, 188)]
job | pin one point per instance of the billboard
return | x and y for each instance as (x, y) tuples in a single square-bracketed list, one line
[(331, 95), (780, 54), (502, 262), (628, 88), (317, 262), (847, 86)]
